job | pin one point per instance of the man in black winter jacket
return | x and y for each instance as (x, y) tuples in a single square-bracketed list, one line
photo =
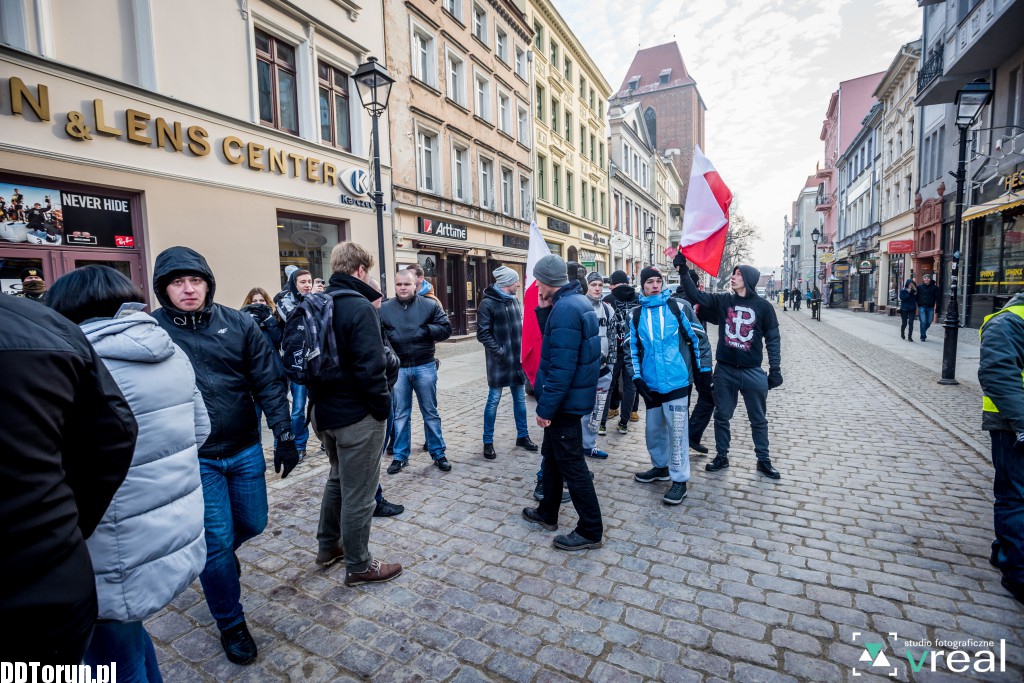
[(623, 299), (234, 363), (745, 321), (414, 324), (351, 412), (928, 298), (65, 448)]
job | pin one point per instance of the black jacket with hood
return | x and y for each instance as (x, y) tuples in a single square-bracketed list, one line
[(362, 388), (288, 298), (743, 322), (414, 327), (622, 299), (233, 361)]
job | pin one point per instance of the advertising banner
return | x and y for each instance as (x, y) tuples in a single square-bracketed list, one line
[(51, 216)]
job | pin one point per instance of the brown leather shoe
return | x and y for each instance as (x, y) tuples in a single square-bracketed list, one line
[(377, 572), (325, 558)]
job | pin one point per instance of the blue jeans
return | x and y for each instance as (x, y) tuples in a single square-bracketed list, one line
[(299, 427), (423, 380), (128, 644), (235, 501), (518, 411), (1008, 489), (927, 315)]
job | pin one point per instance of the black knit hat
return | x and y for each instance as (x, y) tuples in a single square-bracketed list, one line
[(31, 272), (647, 273), (620, 278)]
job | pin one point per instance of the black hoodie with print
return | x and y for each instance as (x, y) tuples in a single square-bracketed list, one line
[(743, 322)]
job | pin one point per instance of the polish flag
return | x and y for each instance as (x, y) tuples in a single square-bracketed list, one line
[(531, 330), (706, 215)]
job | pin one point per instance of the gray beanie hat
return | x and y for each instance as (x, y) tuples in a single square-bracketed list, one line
[(551, 271), (594, 277), (505, 276), (288, 270)]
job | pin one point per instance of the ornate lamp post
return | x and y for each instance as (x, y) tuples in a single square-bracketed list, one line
[(649, 236), (970, 100), (816, 309), (374, 84)]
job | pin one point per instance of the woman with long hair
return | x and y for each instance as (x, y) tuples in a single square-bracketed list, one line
[(260, 306), (150, 544)]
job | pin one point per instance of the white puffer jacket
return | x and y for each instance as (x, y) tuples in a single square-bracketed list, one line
[(150, 544)]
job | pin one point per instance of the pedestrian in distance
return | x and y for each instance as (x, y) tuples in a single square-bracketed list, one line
[(423, 286), (234, 367), (795, 298), (298, 287), (604, 313), (623, 299), (67, 445), (1000, 373), (565, 390), (704, 410), (928, 298), (668, 347), (745, 323), (816, 303), (499, 329), (350, 409), (33, 287), (150, 545), (908, 309), (413, 325)]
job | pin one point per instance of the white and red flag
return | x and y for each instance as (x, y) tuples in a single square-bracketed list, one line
[(706, 215), (531, 330)]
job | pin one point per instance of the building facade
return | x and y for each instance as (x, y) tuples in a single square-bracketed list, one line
[(461, 144), (571, 159), (258, 163), (669, 219), (800, 265), (635, 205), (897, 137)]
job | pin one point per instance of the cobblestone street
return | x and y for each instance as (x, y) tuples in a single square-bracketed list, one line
[(879, 531)]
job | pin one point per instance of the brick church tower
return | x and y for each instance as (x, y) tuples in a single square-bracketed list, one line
[(670, 104)]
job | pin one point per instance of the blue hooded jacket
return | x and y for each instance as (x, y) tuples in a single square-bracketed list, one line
[(665, 368)]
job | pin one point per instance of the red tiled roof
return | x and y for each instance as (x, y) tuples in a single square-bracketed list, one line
[(649, 64)]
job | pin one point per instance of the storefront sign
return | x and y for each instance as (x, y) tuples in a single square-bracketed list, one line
[(558, 225), (901, 246), (865, 267), (51, 216), (515, 242), (428, 226), (827, 257), (1014, 181), (841, 269)]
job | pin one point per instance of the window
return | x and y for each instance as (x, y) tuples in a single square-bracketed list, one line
[(1013, 102), (483, 98), (504, 112), (600, 153), (567, 69), (568, 190), (538, 35), (542, 185), (540, 103), (506, 191), (454, 8), (525, 199), (335, 122), (590, 98), (556, 185), (456, 79), (568, 127), (486, 183), (633, 83), (604, 216), (583, 136), (480, 23), (520, 62), (890, 208), (523, 123), (460, 173), (275, 75), (593, 146), (583, 86), (501, 44), (600, 109), (554, 114), (554, 55), (426, 160), (423, 56), (593, 203), (583, 198)]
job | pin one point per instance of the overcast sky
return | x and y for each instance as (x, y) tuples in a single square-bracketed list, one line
[(765, 69)]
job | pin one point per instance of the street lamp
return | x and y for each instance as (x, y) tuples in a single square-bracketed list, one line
[(649, 236), (374, 84), (970, 100), (816, 309)]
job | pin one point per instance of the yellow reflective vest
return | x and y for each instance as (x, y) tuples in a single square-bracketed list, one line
[(986, 403)]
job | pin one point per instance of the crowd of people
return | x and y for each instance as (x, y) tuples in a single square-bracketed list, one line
[(137, 462)]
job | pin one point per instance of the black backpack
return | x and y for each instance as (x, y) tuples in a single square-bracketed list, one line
[(309, 347)]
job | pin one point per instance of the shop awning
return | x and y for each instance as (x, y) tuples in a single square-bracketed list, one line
[(1002, 204)]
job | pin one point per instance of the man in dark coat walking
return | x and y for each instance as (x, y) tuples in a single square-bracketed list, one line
[(928, 298), (499, 327)]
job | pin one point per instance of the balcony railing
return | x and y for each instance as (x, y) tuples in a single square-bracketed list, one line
[(931, 69)]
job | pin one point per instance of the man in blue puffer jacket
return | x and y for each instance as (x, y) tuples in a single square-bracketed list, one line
[(565, 389), (667, 348)]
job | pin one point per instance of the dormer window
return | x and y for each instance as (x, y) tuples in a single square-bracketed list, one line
[(633, 83), (664, 76)]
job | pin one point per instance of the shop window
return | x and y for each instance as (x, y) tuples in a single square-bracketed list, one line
[(306, 242), (335, 120), (276, 83)]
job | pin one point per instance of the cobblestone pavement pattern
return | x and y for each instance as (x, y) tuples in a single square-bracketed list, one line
[(881, 524)]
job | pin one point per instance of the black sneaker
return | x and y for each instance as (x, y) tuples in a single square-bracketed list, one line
[(653, 474), (443, 464), (573, 541), (719, 463), (676, 493), (386, 509), (238, 644), (765, 468), (531, 515), (397, 466)]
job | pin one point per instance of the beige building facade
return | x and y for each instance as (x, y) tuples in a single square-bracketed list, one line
[(634, 183), (571, 160), (249, 146), (461, 144), (669, 219)]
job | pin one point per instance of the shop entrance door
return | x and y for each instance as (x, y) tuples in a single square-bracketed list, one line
[(57, 262), (455, 293)]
